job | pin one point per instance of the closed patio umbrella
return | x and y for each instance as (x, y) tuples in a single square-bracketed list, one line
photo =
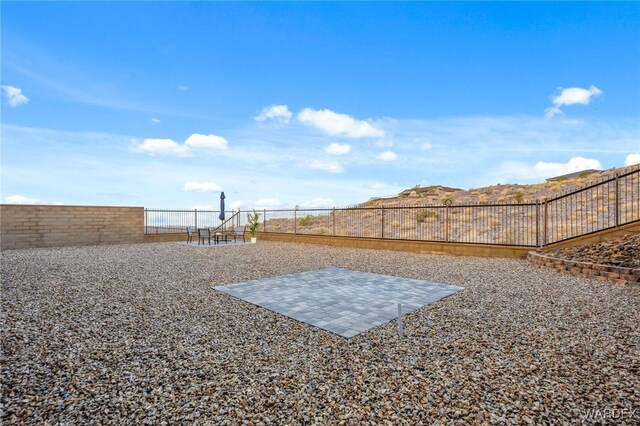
[(222, 197)]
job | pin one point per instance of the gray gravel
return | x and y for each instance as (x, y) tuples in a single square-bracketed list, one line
[(135, 334)]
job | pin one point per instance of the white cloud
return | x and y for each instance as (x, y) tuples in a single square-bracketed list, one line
[(268, 202), (338, 148), (197, 140), (426, 146), (337, 124), (161, 147), (183, 88), (545, 170), (21, 199), (575, 164), (631, 159), (572, 96), (387, 156), (236, 205), (331, 167), (155, 120), (275, 112), (379, 186), (14, 96), (317, 203), (202, 187), (170, 147), (203, 207)]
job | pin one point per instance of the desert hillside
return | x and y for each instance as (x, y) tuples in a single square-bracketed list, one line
[(495, 194)]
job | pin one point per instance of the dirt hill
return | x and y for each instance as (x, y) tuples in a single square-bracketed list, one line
[(508, 193)]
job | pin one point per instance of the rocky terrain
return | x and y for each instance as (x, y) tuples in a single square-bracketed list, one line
[(624, 252), (135, 334)]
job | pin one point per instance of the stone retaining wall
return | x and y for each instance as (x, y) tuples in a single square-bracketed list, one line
[(613, 274)]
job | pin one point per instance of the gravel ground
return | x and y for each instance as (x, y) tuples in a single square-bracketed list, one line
[(134, 334)]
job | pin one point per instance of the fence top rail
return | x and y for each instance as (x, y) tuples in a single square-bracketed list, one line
[(331, 209), (602, 182), (586, 188), (187, 211)]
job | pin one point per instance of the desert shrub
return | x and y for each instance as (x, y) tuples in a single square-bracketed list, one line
[(584, 174), (304, 221), (446, 200), (423, 214), (554, 185), (320, 231), (518, 197), (414, 189)]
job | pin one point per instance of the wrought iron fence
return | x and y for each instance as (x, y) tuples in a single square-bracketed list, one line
[(604, 205), (168, 221), (505, 224), (612, 202)]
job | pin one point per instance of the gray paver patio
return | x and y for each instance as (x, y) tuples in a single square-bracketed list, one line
[(341, 301)]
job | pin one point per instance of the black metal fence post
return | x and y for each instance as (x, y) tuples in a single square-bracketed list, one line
[(334, 221), (446, 223), (544, 224), (537, 223), (617, 200)]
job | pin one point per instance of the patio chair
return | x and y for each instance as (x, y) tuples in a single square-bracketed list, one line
[(239, 231), (189, 234), (204, 234)]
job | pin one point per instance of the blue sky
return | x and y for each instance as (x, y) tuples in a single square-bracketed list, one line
[(312, 104)]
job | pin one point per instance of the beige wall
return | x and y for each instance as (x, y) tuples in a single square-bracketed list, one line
[(23, 226), (480, 250), (598, 237)]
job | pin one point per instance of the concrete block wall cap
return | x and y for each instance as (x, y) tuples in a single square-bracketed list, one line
[(69, 205)]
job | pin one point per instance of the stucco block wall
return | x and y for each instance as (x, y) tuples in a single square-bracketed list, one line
[(24, 226), (410, 246), (598, 237)]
